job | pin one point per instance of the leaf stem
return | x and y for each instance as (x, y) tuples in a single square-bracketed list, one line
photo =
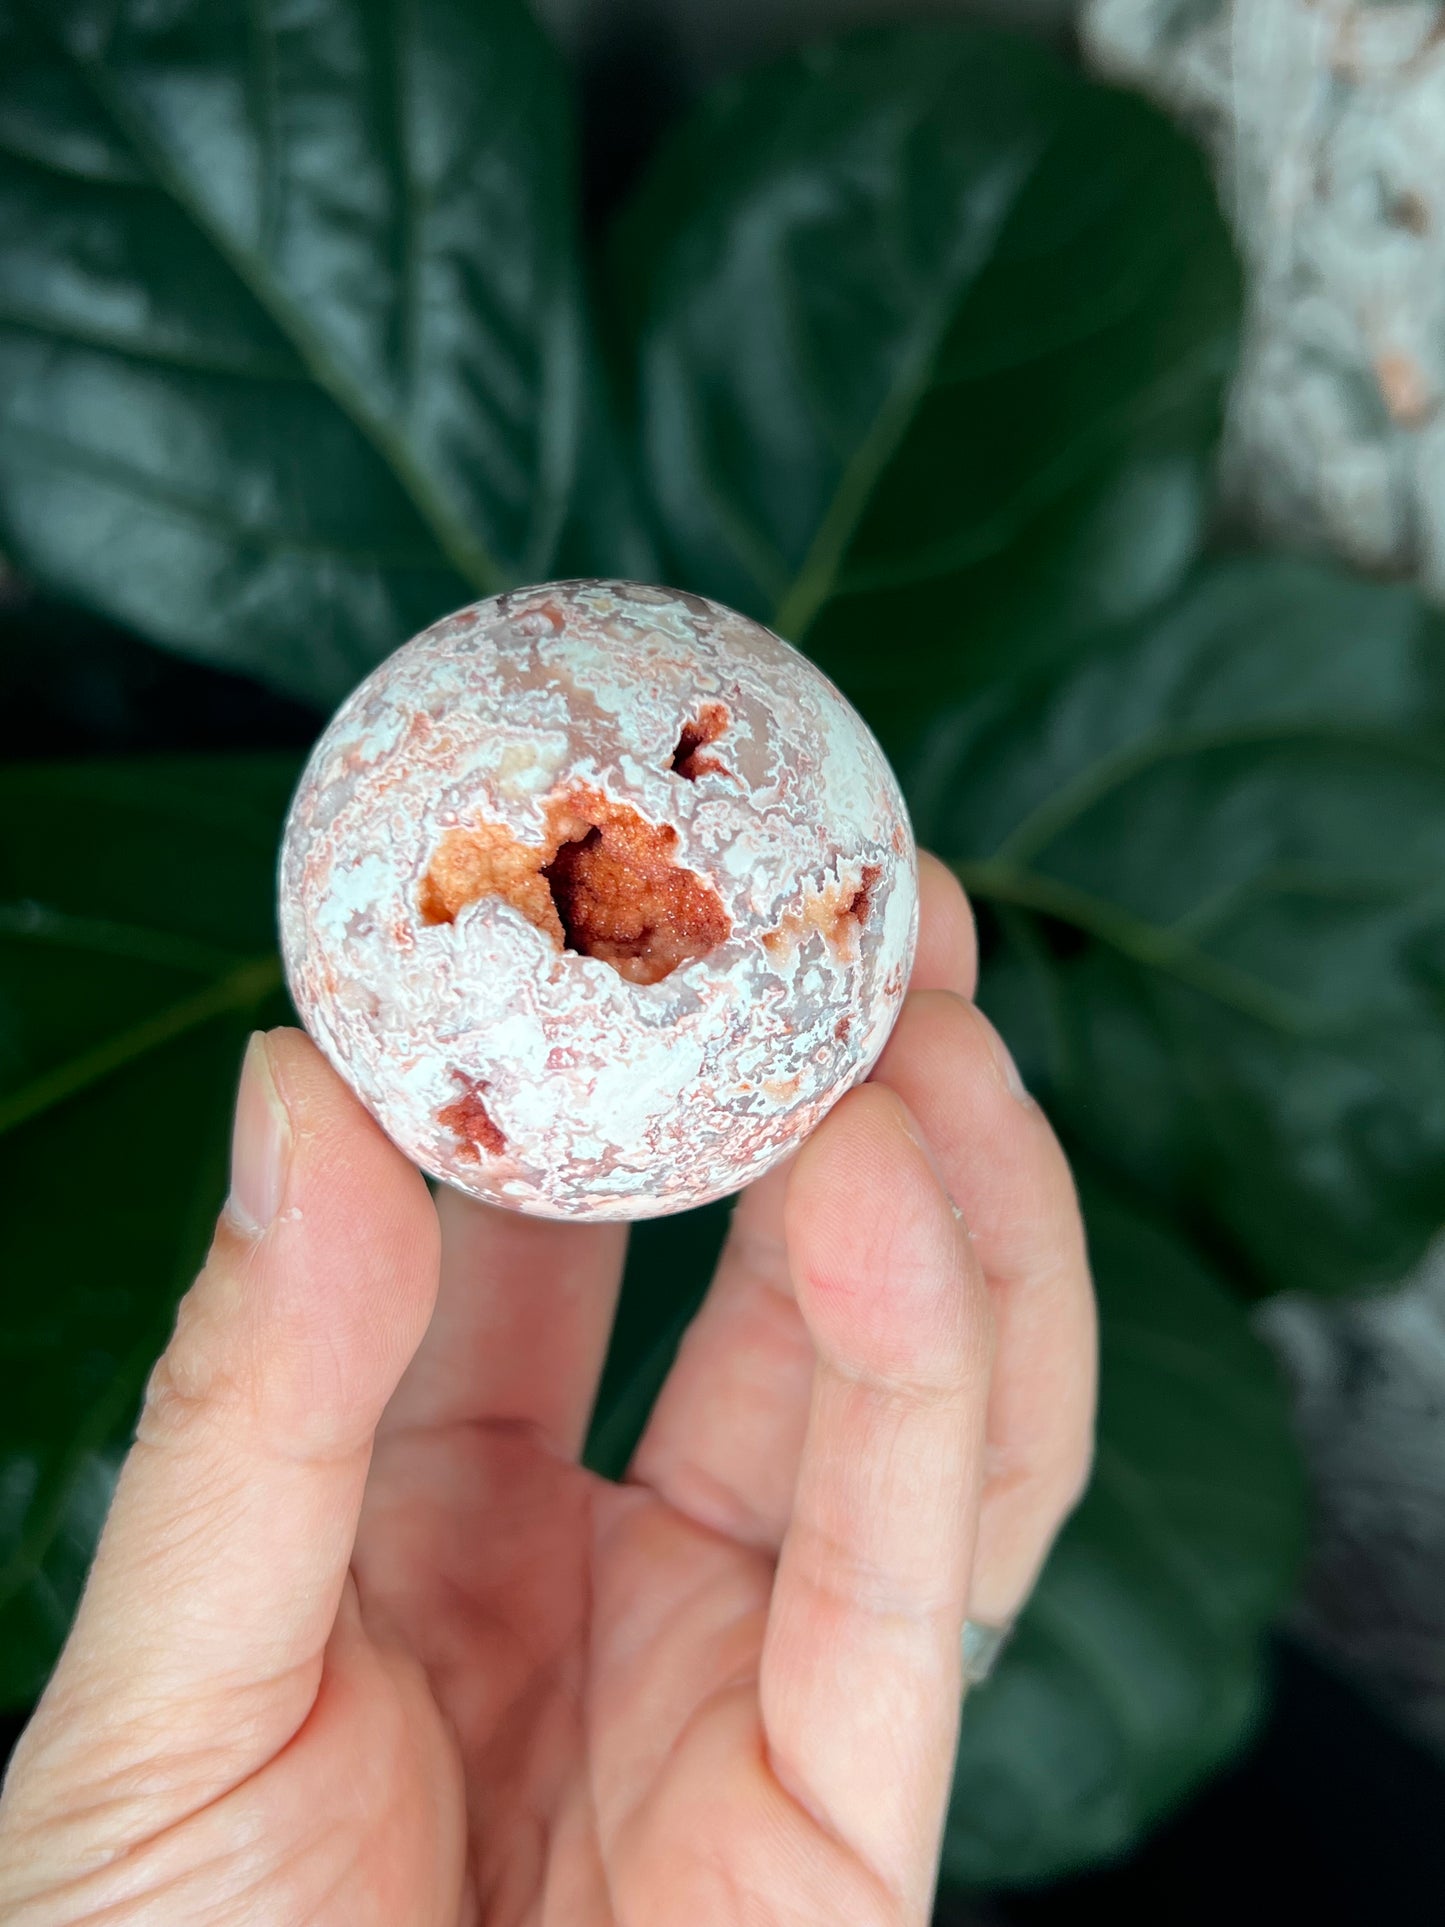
[(617, 1429), (1062, 807), (1140, 942), (27, 921), (247, 984), (914, 372), (466, 555)]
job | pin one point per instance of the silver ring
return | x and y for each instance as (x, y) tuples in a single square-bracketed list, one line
[(981, 1647)]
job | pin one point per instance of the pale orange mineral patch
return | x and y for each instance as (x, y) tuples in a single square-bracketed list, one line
[(472, 1123), (488, 861), (838, 911), (606, 884)]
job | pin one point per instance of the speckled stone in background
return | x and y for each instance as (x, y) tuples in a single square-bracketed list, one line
[(513, 1067), (1369, 1377), (1326, 119)]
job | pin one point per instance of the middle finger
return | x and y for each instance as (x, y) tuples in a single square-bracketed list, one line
[(726, 1435)]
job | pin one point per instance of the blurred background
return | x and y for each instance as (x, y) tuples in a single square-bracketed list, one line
[(1065, 376)]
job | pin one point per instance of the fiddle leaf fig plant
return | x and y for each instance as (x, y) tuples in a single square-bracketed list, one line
[(1215, 845), (927, 340), (913, 346), (293, 352)]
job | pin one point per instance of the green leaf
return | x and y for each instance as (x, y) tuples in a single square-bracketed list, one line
[(1137, 1666), (1216, 846), (929, 337), (136, 951), (292, 350), (607, 532)]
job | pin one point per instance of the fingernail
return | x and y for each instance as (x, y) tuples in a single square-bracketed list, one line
[(912, 1130), (1008, 1070), (260, 1145)]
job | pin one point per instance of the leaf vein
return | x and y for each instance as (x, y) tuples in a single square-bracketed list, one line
[(111, 470), (241, 988), (150, 353), (466, 555)]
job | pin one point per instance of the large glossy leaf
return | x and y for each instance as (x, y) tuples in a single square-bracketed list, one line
[(136, 950), (1137, 1666), (929, 338), (292, 351), (1217, 845)]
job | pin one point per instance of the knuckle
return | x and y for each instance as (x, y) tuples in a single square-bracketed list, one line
[(1045, 1490), (764, 1260), (916, 1592), (173, 1402), (191, 1382), (899, 1392)]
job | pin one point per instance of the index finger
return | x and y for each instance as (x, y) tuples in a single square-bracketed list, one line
[(1008, 1174), (861, 1666), (947, 957), (725, 1435)]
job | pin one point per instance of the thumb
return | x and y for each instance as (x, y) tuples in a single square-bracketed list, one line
[(203, 1626)]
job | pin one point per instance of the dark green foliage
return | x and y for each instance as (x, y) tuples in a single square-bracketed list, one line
[(292, 349), (1233, 812), (136, 952), (919, 345), (1135, 1667), (930, 345)]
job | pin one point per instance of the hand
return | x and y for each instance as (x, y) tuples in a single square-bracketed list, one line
[(364, 1644)]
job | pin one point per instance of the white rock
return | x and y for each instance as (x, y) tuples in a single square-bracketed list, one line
[(565, 974)]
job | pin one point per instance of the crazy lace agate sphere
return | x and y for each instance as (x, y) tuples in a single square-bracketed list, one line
[(598, 896)]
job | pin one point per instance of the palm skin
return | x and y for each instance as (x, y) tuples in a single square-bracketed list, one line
[(365, 1643), (597, 1760), (592, 1700)]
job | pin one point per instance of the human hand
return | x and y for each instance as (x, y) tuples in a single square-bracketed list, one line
[(364, 1644)]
